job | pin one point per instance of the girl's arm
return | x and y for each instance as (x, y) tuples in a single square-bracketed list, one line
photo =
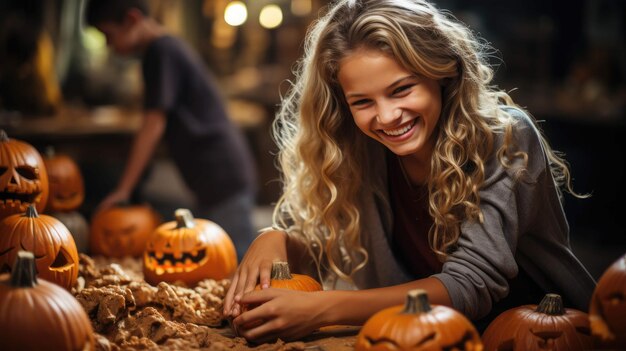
[(289, 314)]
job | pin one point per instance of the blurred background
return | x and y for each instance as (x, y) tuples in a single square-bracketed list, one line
[(565, 61)]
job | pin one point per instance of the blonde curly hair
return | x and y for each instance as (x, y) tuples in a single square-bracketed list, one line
[(323, 155)]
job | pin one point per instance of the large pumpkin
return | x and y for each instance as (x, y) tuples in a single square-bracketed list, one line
[(607, 312), (38, 315), (547, 326), (77, 225), (418, 326), (67, 190), (188, 250), (47, 238), (122, 230), (23, 177)]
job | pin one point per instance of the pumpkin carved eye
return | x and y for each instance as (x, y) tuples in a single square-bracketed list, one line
[(2, 170), (27, 172), (62, 261)]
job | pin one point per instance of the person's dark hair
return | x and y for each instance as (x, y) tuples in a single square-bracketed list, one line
[(99, 11)]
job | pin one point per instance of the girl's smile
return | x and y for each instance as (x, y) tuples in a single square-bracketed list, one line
[(390, 104)]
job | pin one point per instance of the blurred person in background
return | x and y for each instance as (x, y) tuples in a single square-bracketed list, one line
[(183, 104)]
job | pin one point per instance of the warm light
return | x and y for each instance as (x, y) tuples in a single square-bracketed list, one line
[(236, 13), (93, 39), (301, 7), (271, 16)]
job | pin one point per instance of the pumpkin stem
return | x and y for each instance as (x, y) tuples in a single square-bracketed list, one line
[(24, 274), (3, 136), (417, 302), (31, 212), (551, 304), (280, 271), (184, 218)]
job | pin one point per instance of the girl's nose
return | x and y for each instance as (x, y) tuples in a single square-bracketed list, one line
[(389, 115)]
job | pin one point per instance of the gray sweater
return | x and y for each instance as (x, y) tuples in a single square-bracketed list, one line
[(524, 225)]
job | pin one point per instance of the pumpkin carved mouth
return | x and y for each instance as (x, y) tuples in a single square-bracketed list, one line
[(168, 262), (16, 199)]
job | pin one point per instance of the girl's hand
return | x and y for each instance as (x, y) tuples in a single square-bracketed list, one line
[(285, 314), (256, 265)]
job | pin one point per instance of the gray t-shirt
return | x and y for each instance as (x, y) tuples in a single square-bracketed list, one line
[(524, 226)]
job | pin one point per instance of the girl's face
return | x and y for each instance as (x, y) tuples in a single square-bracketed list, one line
[(390, 104)]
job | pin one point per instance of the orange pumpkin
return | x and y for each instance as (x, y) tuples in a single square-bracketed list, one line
[(23, 177), (47, 238), (38, 315), (122, 230), (282, 278), (67, 190), (418, 326), (547, 326), (607, 312), (188, 250)]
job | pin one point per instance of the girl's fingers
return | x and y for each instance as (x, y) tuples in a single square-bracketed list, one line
[(228, 299), (241, 283), (250, 282), (265, 275)]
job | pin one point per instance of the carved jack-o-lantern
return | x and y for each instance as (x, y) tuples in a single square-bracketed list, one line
[(418, 326), (23, 177), (38, 315), (67, 190), (188, 250), (122, 230), (47, 238), (547, 326), (607, 312)]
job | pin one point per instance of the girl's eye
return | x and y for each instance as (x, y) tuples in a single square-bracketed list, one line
[(360, 102), (401, 89)]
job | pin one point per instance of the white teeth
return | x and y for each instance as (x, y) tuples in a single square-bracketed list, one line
[(399, 131)]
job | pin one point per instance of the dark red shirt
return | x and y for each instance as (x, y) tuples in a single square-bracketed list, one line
[(411, 223)]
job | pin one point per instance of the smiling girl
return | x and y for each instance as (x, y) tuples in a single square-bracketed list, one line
[(404, 168)]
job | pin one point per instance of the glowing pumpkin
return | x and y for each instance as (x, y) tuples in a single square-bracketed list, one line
[(188, 250), (47, 238), (23, 177), (418, 326), (607, 312), (547, 326), (38, 315), (67, 190), (122, 230)]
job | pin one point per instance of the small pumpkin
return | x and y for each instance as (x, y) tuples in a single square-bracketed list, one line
[(188, 249), (539, 327), (38, 315), (23, 177), (607, 312), (76, 223), (47, 238), (122, 230), (282, 278), (418, 326), (67, 190)]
